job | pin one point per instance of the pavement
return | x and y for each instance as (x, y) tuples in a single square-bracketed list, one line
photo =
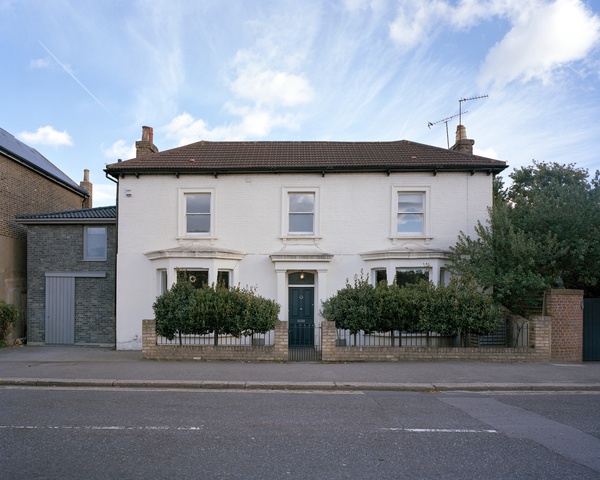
[(75, 366)]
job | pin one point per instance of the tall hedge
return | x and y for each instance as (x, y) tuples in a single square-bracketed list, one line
[(236, 311), (414, 308)]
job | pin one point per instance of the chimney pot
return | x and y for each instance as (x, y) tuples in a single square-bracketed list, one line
[(145, 145), (463, 144)]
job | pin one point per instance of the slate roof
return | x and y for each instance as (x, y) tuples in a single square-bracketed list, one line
[(240, 157), (12, 147), (86, 215)]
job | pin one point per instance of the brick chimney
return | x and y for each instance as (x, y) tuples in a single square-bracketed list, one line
[(145, 145), (463, 144), (87, 203)]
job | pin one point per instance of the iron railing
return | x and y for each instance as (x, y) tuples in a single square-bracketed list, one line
[(257, 339), (510, 334)]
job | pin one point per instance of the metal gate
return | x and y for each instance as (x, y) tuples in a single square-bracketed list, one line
[(301, 344), (60, 310), (591, 329)]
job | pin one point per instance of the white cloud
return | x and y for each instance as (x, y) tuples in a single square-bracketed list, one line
[(39, 63), (120, 149), (488, 152), (104, 194), (268, 87), (542, 41), (414, 22), (254, 122), (47, 136)]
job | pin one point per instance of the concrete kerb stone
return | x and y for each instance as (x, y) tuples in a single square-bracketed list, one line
[(297, 386)]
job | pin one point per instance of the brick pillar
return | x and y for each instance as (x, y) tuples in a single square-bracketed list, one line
[(540, 337), (281, 341), (564, 306), (328, 337), (148, 337)]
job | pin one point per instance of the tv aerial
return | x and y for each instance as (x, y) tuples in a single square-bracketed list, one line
[(459, 115), (466, 100), (444, 120)]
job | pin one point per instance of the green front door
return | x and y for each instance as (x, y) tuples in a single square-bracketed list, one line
[(301, 316)]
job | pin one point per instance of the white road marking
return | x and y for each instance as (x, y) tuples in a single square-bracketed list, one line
[(440, 430), (97, 427)]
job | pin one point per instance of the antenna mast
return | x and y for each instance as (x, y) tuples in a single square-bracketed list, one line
[(466, 100), (444, 120)]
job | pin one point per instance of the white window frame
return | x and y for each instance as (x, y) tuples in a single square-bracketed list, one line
[(426, 270), (426, 192), (285, 219), (91, 258), (182, 216)]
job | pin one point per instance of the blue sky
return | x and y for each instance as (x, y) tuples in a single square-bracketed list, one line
[(80, 78)]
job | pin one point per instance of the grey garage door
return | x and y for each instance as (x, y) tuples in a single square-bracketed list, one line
[(60, 310)]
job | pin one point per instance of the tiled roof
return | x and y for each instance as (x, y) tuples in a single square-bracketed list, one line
[(232, 157), (34, 159), (86, 215)]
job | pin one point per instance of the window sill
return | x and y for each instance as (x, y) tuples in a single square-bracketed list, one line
[(402, 238), (301, 239)]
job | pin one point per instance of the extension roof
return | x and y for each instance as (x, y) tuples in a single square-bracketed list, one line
[(86, 215), (31, 158), (322, 157)]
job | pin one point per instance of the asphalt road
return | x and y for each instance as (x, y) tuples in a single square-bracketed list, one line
[(130, 434)]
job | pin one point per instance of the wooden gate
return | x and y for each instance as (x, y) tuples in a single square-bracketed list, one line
[(591, 329)]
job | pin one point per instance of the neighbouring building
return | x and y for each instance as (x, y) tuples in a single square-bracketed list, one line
[(71, 268), (294, 219), (28, 183)]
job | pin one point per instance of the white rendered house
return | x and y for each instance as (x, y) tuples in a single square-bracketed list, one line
[(293, 219)]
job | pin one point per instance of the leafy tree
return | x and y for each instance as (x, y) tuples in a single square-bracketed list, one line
[(513, 266), (542, 232), (550, 200)]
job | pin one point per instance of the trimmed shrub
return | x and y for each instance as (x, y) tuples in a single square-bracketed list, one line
[(414, 308), (9, 314), (186, 310)]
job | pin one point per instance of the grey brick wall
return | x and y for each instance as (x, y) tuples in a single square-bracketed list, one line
[(59, 248)]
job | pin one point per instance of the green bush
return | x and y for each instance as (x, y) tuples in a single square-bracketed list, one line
[(354, 307), (413, 308), (236, 311), (8, 316)]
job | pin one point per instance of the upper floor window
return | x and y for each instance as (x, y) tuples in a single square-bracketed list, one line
[(196, 213), (94, 244), (411, 212), (300, 212)]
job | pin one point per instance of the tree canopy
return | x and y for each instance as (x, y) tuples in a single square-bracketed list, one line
[(542, 232)]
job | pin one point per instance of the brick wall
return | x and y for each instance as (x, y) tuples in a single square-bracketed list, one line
[(59, 248), (208, 353), (336, 354), (23, 191), (551, 338), (564, 306)]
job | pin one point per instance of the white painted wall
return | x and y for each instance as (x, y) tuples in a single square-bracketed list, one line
[(355, 215)]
